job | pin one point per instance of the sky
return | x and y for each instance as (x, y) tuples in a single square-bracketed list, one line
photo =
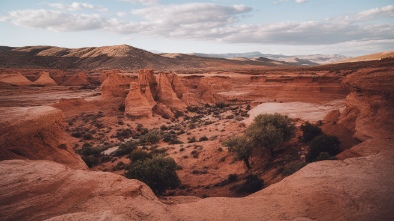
[(289, 27)]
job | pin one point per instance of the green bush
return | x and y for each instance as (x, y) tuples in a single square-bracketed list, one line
[(126, 148), (137, 155), (192, 140), (203, 138), (320, 144), (158, 173), (309, 131), (152, 136)]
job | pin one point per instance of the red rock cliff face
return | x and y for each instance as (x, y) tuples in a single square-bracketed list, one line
[(35, 133)]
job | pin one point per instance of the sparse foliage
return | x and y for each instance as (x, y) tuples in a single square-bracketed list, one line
[(309, 131), (242, 147), (158, 173), (320, 144)]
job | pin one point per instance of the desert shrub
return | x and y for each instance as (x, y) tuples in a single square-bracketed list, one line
[(127, 133), (87, 136), (153, 136), (241, 146), (203, 138), (309, 131), (320, 144), (221, 105), (163, 127), (292, 168), (76, 134), (192, 139), (125, 148), (270, 130), (137, 155), (158, 173), (252, 184)]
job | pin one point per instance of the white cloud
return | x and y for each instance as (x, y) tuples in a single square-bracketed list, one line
[(301, 1), (144, 2), (56, 20), (121, 14), (75, 6), (376, 12), (206, 21)]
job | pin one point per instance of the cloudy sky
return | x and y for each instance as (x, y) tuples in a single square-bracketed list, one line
[(291, 27)]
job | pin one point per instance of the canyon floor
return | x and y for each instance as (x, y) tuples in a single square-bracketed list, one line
[(43, 126)]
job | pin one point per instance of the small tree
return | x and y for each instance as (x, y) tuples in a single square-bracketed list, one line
[(152, 136), (158, 173), (137, 155), (270, 130), (242, 147), (309, 131)]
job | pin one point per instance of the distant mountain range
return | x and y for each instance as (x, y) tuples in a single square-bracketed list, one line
[(126, 57), (295, 59)]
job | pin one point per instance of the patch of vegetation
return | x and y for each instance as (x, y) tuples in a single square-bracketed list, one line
[(251, 184), (320, 144), (152, 137), (125, 148), (159, 173), (309, 131), (137, 155)]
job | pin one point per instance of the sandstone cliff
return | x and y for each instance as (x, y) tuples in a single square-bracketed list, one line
[(166, 95), (77, 80), (35, 133), (137, 104)]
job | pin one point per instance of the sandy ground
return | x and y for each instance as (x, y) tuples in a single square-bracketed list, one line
[(24, 97), (311, 112)]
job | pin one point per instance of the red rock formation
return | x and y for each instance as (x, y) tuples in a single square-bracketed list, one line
[(137, 104), (45, 79), (147, 83), (178, 87), (15, 79), (77, 80), (167, 96), (205, 91), (115, 85), (35, 133)]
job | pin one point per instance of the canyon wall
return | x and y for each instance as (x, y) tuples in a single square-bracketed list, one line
[(35, 133)]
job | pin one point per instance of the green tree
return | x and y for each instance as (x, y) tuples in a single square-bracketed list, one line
[(137, 155), (270, 130), (159, 173), (152, 136), (242, 147)]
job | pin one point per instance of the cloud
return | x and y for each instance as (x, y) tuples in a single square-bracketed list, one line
[(75, 6), (121, 14), (301, 1), (55, 20), (144, 2), (386, 11), (205, 21)]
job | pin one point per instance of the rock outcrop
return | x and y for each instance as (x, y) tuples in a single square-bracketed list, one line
[(15, 79), (137, 104), (45, 190), (45, 79), (179, 88), (205, 92), (115, 85), (77, 80), (35, 133), (167, 96)]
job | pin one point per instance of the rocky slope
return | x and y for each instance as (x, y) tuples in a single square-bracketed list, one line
[(35, 133)]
